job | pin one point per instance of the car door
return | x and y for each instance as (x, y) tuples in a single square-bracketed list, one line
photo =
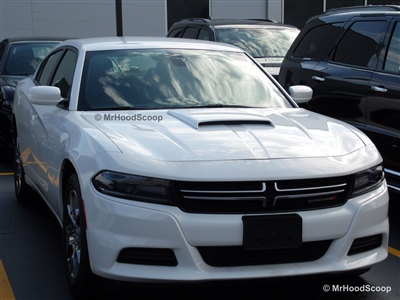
[(383, 103), (58, 72), (341, 83)]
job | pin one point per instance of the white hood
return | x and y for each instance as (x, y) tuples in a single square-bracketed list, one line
[(219, 134)]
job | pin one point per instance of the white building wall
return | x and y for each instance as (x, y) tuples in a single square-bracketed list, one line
[(80, 18), (93, 18), (238, 9)]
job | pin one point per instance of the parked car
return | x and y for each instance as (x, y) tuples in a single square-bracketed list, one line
[(350, 58), (266, 40), (175, 160), (19, 58)]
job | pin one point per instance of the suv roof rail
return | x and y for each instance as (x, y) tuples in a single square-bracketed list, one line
[(204, 20), (364, 8), (264, 20), (209, 19)]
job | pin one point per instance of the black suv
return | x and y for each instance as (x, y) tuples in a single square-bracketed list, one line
[(350, 57), (265, 40)]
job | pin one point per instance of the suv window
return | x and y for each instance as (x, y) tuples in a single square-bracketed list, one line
[(392, 63), (359, 45), (316, 40), (176, 32), (190, 33), (204, 35)]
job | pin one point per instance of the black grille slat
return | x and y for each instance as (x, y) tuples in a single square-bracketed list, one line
[(235, 256), (262, 196), (148, 256), (365, 244)]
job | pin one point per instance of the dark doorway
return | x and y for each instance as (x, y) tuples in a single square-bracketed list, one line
[(179, 9)]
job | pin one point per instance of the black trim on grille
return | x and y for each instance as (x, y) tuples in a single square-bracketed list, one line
[(262, 196), (148, 256), (235, 256), (365, 244)]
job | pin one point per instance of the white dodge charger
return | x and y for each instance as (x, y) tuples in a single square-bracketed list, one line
[(169, 160)]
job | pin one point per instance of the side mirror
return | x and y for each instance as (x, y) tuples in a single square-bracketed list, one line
[(301, 93), (44, 95)]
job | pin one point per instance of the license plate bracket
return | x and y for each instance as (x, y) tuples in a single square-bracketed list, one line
[(272, 232)]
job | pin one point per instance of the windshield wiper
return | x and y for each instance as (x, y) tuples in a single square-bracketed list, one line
[(218, 105), (115, 108)]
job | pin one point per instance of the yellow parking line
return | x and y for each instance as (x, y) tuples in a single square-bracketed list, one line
[(393, 251), (6, 174), (6, 292)]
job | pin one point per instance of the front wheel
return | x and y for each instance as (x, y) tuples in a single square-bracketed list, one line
[(76, 257)]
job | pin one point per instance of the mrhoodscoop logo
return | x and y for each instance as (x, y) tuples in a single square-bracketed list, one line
[(128, 118)]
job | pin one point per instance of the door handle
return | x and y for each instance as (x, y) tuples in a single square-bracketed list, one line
[(378, 89), (317, 78)]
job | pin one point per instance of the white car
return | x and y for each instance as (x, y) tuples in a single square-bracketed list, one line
[(173, 160)]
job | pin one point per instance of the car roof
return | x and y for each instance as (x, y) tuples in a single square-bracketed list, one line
[(140, 42), (217, 22), (34, 39), (351, 11)]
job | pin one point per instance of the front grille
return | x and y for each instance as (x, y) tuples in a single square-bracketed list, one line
[(148, 256), (365, 244), (262, 196), (235, 256)]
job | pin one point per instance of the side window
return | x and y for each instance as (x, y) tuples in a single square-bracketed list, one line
[(176, 32), (360, 44), (65, 72), (392, 62), (43, 76), (316, 40), (190, 33), (204, 35), (2, 49)]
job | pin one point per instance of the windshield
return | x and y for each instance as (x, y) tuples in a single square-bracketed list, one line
[(259, 42), (165, 79), (24, 58)]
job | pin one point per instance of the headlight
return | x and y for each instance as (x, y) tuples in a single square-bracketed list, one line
[(133, 187), (368, 180)]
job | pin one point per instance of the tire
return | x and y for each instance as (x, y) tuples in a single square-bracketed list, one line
[(76, 256), (22, 190)]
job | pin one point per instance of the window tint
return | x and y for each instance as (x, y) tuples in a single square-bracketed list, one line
[(392, 62), (359, 45), (65, 73), (2, 49), (176, 32), (203, 35), (48, 68), (316, 40), (190, 33)]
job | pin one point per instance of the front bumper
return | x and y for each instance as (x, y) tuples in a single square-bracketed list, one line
[(115, 224)]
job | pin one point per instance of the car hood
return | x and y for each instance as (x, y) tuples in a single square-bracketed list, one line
[(271, 64), (226, 134)]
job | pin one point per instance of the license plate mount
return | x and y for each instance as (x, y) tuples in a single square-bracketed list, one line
[(272, 232)]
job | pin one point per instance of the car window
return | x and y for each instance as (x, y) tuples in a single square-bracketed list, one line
[(191, 33), (259, 42), (392, 61), (360, 44), (176, 32), (2, 49), (162, 79), (204, 35), (65, 72), (24, 58), (316, 40), (48, 67)]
